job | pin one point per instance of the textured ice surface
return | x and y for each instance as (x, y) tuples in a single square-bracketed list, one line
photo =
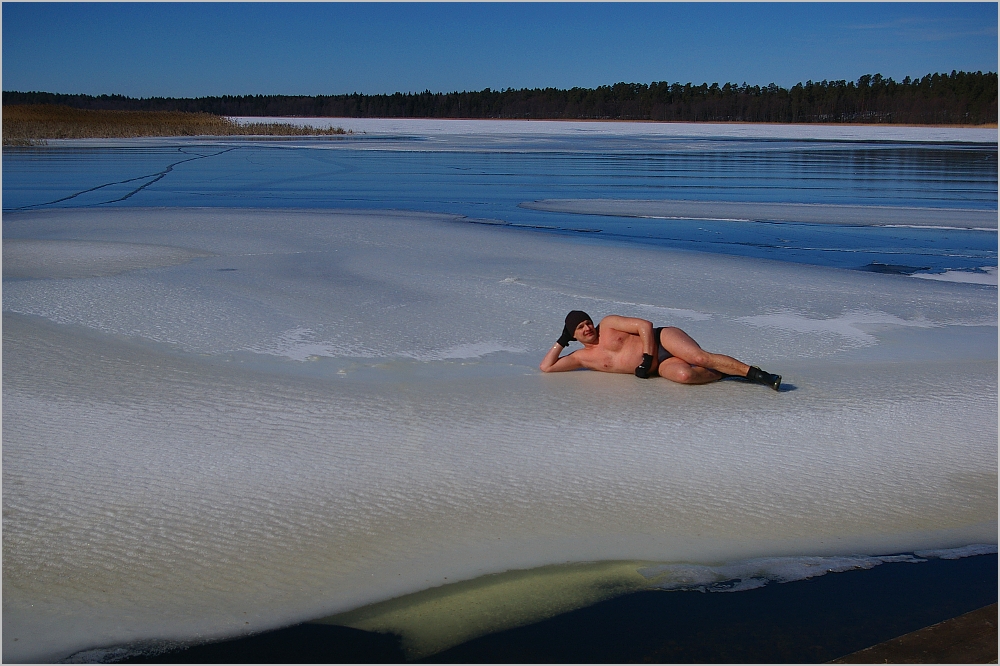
[(775, 212), (28, 258), (333, 409)]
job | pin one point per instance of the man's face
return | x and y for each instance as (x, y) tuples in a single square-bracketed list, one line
[(586, 333)]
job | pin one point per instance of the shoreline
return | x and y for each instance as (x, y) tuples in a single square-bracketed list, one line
[(459, 134), (641, 121), (32, 125), (35, 125), (659, 122), (644, 121)]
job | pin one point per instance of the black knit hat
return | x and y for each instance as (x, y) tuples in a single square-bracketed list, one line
[(574, 319)]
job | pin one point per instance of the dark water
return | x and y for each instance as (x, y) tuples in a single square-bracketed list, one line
[(810, 621), (489, 180)]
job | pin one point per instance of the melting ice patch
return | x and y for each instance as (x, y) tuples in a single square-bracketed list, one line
[(852, 327), (755, 573), (985, 275), (958, 553)]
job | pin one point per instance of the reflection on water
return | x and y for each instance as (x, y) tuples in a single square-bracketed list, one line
[(488, 177)]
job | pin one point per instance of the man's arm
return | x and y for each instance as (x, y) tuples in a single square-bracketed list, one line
[(635, 326), (553, 363)]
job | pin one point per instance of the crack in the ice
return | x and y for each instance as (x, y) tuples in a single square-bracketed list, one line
[(155, 177)]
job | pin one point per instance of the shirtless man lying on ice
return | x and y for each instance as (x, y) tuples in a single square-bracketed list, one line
[(627, 344)]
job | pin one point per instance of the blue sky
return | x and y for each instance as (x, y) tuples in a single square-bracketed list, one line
[(195, 49)]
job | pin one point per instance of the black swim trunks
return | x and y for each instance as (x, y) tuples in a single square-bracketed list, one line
[(661, 353)]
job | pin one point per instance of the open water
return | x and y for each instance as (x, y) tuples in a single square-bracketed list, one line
[(249, 383)]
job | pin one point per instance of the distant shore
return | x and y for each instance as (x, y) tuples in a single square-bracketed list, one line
[(465, 129), (956, 98), (744, 122), (34, 124)]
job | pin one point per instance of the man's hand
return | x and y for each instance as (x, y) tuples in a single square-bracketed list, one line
[(642, 372), (566, 337)]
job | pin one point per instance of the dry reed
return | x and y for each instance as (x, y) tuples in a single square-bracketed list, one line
[(33, 124)]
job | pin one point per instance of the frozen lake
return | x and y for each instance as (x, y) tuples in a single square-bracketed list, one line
[(938, 185), (252, 383)]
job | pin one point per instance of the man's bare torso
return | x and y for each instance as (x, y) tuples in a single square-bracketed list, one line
[(615, 351), (630, 345)]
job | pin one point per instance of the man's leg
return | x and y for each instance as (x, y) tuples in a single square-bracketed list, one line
[(683, 347), (689, 359), (683, 372)]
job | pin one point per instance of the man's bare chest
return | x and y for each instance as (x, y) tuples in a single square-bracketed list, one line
[(613, 354), (613, 342)]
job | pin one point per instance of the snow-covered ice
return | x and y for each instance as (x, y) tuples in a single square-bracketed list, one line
[(285, 415), (490, 128)]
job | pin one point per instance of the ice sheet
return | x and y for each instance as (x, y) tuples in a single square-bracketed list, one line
[(331, 409), (985, 275), (488, 175), (490, 128), (941, 218)]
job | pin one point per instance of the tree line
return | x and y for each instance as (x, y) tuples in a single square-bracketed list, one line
[(955, 98)]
